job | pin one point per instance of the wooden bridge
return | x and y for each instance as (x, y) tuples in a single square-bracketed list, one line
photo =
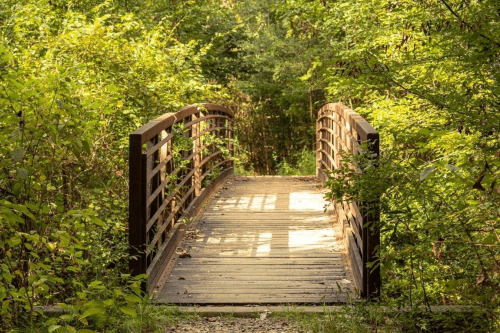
[(205, 236)]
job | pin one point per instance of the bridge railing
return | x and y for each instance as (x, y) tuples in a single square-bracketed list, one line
[(175, 162), (339, 128)]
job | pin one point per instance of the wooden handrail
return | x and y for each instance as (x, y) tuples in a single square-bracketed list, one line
[(339, 128), (163, 189)]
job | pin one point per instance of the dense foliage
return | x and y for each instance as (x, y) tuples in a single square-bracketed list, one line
[(78, 76)]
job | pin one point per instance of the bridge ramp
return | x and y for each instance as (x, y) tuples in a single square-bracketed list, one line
[(261, 240)]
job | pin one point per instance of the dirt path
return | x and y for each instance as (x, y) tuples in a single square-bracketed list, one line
[(223, 325)]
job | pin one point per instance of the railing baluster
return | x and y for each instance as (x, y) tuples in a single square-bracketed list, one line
[(197, 157)]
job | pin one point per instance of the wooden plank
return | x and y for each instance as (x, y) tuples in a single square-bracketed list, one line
[(256, 241), (262, 227), (249, 299), (263, 215), (283, 255), (224, 253), (320, 277), (252, 245), (257, 285), (335, 265), (261, 245), (259, 261), (325, 228), (260, 224), (356, 261), (258, 270), (251, 290), (268, 234), (261, 282), (275, 251)]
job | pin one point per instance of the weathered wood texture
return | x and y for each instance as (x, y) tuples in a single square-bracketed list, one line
[(262, 240), (339, 128), (175, 162)]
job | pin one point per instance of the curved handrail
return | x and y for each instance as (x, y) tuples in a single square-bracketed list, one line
[(166, 184), (339, 128)]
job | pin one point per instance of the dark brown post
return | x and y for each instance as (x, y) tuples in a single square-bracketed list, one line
[(197, 158), (318, 146), (229, 142), (137, 205), (371, 233), (169, 168)]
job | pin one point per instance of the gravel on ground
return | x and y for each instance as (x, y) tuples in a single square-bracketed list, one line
[(224, 324)]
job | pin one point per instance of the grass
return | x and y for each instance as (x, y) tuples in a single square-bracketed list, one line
[(360, 317), (368, 317)]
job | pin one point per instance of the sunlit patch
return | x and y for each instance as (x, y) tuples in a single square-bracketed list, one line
[(270, 202), (265, 236), (243, 203), (256, 203), (247, 252), (307, 201), (212, 240), (264, 247), (263, 250), (230, 239), (310, 239)]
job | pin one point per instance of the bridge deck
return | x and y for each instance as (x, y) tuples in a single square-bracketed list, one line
[(261, 240)]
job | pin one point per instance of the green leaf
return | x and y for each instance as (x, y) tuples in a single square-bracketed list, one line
[(424, 131), (140, 277), (22, 173), (53, 328), (133, 298), (86, 146), (92, 311), (490, 239), (17, 155), (67, 317), (112, 88), (108, 302), (95, 284), (97, 221), (128, 311), (426, 172)]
